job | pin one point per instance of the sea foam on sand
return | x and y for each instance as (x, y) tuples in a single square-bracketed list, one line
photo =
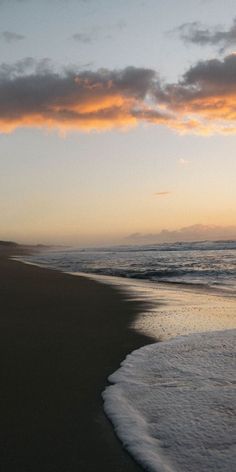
[(175, 310), (173, 403)]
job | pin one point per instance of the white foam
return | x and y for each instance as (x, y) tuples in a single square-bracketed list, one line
[(173, 403)]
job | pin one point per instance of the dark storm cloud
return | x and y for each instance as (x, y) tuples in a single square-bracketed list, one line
[(196, 33)]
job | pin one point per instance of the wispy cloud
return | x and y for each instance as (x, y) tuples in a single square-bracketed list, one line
[(85, 38), (11, 37), (198, 232), (196, 33), (183, 162), (98, 32), (25, 67), (162, 194), (34, 94)]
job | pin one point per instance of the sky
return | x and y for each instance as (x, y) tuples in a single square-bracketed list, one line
[(117, 120)]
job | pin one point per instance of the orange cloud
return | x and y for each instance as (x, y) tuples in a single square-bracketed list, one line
[(204, 102), (90, 100)]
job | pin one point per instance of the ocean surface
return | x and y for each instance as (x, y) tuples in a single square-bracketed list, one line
[(207, 264), (172, 403)]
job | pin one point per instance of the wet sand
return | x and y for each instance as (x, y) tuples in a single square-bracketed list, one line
[(60, 338)]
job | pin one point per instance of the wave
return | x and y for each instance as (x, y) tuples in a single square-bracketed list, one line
[(201, 263), (171, 403), (220, 245)]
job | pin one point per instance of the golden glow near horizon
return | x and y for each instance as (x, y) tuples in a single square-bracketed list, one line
[(113, 140)]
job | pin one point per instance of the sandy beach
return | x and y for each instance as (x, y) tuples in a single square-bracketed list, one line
[(60, 338)]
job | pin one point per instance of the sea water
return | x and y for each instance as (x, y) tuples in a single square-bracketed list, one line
[(172, 403), (206, 264)]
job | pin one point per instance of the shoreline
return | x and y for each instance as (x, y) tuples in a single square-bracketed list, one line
[(152, 314), (168, 310), (61, 337)]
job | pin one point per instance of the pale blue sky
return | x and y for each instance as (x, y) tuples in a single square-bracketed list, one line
[(142, 41)]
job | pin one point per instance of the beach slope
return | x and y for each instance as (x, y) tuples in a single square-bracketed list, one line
[(60, 338)]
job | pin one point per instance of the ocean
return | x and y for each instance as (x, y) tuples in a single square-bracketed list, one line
[(204, 264), (172, 403)]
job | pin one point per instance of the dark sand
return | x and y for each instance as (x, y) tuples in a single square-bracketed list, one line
[(60, 338)]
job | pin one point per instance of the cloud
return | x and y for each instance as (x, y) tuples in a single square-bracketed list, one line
[(10, 37), (183, 162), (98, 32), (205, 97), (162, 194), (196, 232), (83, 101), (34, 94), (24, 67), (196, 33), (85, 38)]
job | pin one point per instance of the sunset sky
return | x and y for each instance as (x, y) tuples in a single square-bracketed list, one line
[(117, 120)]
